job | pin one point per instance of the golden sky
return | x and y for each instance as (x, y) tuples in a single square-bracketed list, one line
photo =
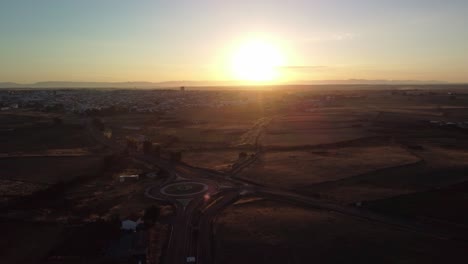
[(256, 41)]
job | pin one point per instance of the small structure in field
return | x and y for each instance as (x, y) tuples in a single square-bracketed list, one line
[(130, 225), (132, 177)]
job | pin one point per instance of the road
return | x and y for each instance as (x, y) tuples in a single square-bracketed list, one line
[(192, 235)]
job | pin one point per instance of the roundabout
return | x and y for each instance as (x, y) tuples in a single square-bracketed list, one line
[(184, 189)]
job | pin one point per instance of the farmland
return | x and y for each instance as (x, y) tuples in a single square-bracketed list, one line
[(377, 173)]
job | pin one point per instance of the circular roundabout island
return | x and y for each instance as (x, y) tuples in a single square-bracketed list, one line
[(184, 189)]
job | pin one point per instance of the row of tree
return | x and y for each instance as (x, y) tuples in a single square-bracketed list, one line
[(153, 149)]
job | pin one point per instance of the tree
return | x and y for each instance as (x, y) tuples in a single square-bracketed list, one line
[(157, 150), (126, 151), (176, 156), (57, 121), (98, 124), (151, 215), (131, 144), (147, 146), (114, 222), (242, 155)]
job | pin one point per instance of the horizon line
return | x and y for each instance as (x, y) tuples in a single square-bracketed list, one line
[(235, 82)]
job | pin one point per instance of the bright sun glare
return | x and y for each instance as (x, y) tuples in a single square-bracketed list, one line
[(257, 61)]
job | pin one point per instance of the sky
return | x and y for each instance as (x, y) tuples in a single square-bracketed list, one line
[(174, 40)]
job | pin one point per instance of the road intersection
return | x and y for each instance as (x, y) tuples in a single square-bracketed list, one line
[(199, 194)]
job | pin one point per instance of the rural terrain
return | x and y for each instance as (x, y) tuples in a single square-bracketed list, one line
[(293, 174)]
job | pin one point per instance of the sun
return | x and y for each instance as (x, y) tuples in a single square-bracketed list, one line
[(257, 61)]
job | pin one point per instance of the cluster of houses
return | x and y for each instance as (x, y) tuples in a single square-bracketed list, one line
[(143, 101)]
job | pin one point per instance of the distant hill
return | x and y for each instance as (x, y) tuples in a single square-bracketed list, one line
[(80, 85), (9, 85), (61, 84), (169, 84), (373, 82)]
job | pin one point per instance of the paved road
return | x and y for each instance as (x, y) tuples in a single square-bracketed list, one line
[(192, 228), (205, 234), (194, 237)]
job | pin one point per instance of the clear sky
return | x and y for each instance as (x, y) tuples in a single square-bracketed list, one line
[(162, 40)]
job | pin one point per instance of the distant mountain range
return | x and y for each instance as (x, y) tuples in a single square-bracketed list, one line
[(372, 82), (54, 84), (171, 84)]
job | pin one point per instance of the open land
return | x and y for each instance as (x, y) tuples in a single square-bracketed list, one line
[(271, 232), (337, 174)]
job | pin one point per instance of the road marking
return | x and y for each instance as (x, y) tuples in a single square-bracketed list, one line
[(185, 202)]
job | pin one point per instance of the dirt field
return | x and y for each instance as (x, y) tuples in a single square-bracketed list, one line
[(441, 167), (447, 205), (215, 160), (196, 137), (268, 232), (35, 239), (321, 127), (33, 131), (184, 129), (213, 126), (48, 169), (13, 188), (377, 147), (106, 196), (327, 136), (229, 114), (298, 169)]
